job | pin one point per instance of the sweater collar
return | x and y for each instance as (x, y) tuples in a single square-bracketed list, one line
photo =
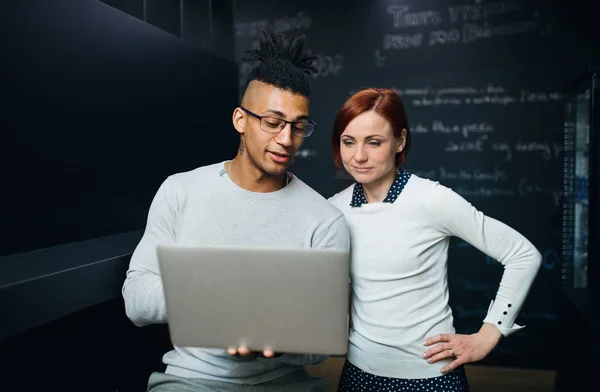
[(402, 177)]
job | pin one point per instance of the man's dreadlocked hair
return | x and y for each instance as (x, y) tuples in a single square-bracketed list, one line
[(284, 66)]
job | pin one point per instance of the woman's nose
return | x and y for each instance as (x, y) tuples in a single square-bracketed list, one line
[(360, 155)]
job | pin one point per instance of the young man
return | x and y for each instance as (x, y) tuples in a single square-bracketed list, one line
[(250, 200)]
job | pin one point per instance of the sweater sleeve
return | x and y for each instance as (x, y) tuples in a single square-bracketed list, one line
[(454, 216), (143, 290), (335, 236)]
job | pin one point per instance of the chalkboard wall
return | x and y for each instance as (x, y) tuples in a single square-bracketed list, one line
[(482, 82)]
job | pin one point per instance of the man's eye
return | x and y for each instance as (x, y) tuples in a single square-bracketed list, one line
[(299, 126)]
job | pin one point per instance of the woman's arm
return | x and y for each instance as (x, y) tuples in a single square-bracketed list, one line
[(454, 216)]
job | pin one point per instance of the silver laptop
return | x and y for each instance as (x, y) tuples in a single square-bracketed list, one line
[(291, 300)]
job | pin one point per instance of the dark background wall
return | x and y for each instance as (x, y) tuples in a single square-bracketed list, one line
[(483, 84), (100, 107)]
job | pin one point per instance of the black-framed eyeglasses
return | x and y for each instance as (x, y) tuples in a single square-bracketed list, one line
[(275, 124)]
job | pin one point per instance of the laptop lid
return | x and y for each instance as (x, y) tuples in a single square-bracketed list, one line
[(290, 300)]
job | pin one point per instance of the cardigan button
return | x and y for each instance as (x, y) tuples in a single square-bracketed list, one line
[(509, 305), (499, 322), (505, 312)]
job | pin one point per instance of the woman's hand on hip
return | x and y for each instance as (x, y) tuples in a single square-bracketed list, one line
[(462, 348)]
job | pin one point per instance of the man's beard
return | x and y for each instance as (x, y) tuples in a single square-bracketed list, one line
[(279, 170)]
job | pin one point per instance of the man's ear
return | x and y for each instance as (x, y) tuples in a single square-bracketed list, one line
[(402, 140), (239, 120)]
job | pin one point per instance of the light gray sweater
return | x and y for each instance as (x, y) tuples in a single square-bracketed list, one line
[(204, 206)]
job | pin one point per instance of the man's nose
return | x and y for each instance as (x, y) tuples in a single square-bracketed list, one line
[(284, 137)]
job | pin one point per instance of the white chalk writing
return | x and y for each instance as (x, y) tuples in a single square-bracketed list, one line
[(489, 94), (402, 18), (469, 24), (379, 58), (286, 23), (402, 41), (305, 153), (527, 187), (496, 175), (536, 96), (484, 192), (464, 129), (467, 13), (464, 146), (546, 150), (473, 32), (419, 128), (441, 37), (250, 29), (504, 148), (280, 25), (543, 148), (328, 65)]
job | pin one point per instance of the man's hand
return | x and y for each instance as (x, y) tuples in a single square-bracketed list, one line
[(245, 352)]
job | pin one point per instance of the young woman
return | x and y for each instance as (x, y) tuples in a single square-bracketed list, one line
[(402, 336)]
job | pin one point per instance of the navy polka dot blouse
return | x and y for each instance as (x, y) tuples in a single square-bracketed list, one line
[(402, 177)]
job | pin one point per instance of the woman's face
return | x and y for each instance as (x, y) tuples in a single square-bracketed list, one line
[(368, 147)]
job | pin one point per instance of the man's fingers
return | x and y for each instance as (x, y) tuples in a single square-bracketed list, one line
[(244, 351)]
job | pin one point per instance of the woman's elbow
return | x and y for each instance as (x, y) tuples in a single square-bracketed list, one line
[(536, 259)]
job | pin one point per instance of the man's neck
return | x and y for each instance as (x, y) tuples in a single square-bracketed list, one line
[(249, 177), (377, 191)]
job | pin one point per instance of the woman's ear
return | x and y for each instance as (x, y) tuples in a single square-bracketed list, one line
[(402, 140), (238, 120)]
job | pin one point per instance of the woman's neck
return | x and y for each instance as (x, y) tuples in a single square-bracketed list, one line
[(377, 190)]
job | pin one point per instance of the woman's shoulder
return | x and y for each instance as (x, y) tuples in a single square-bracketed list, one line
[(428, 192), (421, 185), (434, 196), (342, 198)]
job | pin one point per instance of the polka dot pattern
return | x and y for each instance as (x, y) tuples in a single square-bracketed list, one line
[(402, 177), (354, 379)]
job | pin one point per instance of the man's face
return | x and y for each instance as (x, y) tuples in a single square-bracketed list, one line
[(271, 152)]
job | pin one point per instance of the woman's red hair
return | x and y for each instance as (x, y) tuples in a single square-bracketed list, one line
[(386, 103)]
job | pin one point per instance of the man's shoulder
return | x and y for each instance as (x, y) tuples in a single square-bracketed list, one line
[(315, 203), (204, 174)]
